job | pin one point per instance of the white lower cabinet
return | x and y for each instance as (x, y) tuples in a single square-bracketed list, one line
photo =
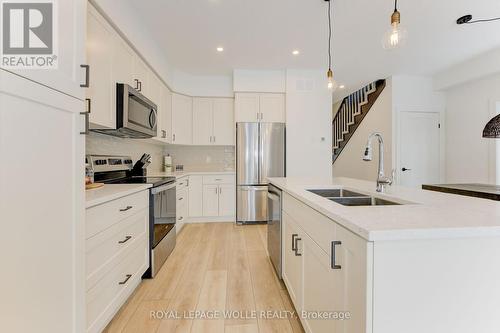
[(182, 202), (117, 254), (227, 200), (195, 190), (337, 282), (210, 200)]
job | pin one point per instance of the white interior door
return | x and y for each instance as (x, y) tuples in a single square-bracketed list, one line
[(419, 148)]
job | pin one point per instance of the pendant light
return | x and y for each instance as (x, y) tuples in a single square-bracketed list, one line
[(492, 128), (332, 85), (396, 35)]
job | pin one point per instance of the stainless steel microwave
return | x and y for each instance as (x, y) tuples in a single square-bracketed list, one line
[(136, 115)]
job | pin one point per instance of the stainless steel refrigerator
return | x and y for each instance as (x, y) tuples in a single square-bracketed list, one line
[(260, 153)]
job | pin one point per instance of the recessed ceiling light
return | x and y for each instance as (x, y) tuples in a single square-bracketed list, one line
[(220, 49), (295, 52), (341, 86)]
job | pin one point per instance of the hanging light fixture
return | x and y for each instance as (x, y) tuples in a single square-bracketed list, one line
[(332, 85), (492, 128), (396, 35)]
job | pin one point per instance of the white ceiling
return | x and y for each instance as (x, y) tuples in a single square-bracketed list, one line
[(261, 34)]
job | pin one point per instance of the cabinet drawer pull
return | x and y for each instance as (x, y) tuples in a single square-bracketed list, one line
[(127, 277), (294, 248), (218, 179), (87, 76), (180, 199), (333, 264), (127, 238), (126, 208), (297, 247)]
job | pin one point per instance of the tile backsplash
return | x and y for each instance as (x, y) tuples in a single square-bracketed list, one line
[(202, 158), (193, 158), (101, 144)]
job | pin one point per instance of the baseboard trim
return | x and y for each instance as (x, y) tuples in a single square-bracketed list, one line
[(211, 219)]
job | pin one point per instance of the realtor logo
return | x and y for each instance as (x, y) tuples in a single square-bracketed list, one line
[(28, 31)]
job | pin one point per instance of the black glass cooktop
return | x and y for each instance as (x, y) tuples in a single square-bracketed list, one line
[(155, 181)]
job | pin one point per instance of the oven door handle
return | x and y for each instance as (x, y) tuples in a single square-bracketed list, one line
[(156, 190)]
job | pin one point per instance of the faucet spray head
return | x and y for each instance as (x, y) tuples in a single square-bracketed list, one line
[(368, 155)]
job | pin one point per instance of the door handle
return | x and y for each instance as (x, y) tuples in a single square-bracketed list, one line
[(294, 248), (127, 238), (333, 263), (127, 277), (405, 169), (87, 76), (297, 247)]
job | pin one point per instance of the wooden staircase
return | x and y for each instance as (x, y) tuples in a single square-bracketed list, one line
[(351, 113)]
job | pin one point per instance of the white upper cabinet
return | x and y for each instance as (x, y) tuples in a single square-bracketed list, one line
[(224, 129), (142, 76), (260, 107), (182, 119), (203, 121), (70, 35), (164, 126), (102, 89), (272, 108), (213, 121), (247, 107)]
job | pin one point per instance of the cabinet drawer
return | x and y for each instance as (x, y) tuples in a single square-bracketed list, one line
[(108, 295), (103, 216), (219, 179), (182, 183), (105, 248), (182, 212), (317, 226)]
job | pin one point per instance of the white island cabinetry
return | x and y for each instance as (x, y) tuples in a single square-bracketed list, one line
[(413, 267)]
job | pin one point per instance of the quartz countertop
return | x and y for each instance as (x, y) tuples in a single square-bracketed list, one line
[(110, 192), (425, 214), (180, 174)]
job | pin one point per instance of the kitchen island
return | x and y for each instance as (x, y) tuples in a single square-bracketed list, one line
[(484, 191), (427, 263)]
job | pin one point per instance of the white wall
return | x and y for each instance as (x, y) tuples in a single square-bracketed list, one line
[(350, 162), (469, 157), (259, 80), (203, 86), (308, 120)]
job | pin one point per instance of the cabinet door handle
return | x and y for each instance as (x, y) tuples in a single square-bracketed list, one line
[(187, 182), (126, 208), (180, 199), (140, 85), (261, 116), (294, 248), (333, 264), (87, 76), (297, 247), (136, 84), (163, 134), (214, 138), (220, 190), (87, 116), (173, 137), (127, 238), (127, 277), (181, 218), (216, 190)]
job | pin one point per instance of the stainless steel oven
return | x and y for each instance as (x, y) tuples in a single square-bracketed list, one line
[(162, 224)]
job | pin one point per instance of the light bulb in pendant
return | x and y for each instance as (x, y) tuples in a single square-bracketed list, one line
[(396, 35), (332, 85)]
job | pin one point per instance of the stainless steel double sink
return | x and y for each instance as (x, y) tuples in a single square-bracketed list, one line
[(350, 198)]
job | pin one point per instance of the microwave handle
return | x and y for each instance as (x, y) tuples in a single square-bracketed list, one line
[(152, 122)]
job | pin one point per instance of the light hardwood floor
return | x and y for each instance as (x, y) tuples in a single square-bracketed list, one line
[(215, 267)]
